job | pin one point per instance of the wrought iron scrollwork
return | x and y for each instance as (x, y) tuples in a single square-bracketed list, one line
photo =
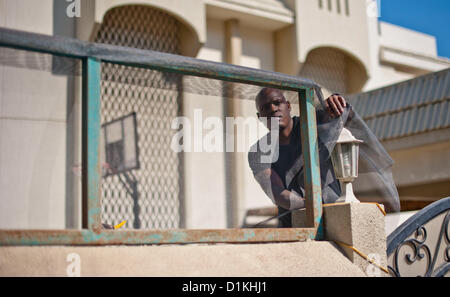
[(444, 268), (422, 250), (417, 244)]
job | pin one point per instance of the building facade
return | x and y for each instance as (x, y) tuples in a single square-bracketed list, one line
[(339, 44)]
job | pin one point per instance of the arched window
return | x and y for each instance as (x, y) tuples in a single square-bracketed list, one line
[(335, 70)]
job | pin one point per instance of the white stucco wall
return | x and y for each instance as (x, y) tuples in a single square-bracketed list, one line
[(406, 39), (205, 172), (421, 165), (399, 54), (214, 48), (22, 15), (319, 27), (257, 48), (34, 122)]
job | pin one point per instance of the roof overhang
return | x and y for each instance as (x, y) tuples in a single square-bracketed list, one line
[(267, 15), (402, 58)]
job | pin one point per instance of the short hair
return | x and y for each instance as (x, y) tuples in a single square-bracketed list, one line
[(263, 93)]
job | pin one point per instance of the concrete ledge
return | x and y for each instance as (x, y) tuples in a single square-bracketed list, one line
[(360, 225), (221, 260)]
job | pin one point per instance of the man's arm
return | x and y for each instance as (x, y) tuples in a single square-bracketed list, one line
[(272, 185)]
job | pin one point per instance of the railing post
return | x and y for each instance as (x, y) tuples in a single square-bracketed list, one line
[(91, 181), (311, 163)]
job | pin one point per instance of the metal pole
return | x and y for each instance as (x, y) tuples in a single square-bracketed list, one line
[(311, 160), (91, 179)]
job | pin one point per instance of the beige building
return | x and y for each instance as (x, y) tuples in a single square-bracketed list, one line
[(338, 44)]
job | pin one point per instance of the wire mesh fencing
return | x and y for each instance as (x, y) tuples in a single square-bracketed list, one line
[(148, 197)]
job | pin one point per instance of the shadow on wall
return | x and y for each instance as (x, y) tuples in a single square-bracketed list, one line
[(63, 25)]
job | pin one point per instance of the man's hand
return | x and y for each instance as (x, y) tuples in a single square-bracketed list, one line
[(272, 185), (335, 105)]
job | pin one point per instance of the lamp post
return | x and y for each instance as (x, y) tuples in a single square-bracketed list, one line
[(345, 163)]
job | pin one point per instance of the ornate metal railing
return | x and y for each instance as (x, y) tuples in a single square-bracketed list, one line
[(421, 245)]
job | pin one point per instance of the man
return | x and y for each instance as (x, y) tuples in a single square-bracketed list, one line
[(282, 180)]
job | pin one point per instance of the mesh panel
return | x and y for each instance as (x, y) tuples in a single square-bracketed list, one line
[(40, 140), (147, 197), (326, 67)]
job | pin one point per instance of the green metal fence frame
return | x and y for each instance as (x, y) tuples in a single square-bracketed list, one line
[(92, 55)]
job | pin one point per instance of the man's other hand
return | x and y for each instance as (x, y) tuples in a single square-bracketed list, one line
[(335, 105)]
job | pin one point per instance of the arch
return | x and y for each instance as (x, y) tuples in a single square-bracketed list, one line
[(140, 26), (335, 68), (189, 13)]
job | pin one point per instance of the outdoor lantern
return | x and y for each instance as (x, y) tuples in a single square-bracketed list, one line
[(345, 163)]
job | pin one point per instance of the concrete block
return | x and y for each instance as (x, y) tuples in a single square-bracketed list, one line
[(360, 225)]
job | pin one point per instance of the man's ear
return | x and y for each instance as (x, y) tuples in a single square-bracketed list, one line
[(289, 105)]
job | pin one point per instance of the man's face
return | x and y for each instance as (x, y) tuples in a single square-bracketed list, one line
[(274, 105)]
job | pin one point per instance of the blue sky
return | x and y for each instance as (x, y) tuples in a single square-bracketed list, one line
[(427, 16)]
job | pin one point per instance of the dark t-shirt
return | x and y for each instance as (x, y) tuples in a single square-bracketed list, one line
[(289, 166)]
